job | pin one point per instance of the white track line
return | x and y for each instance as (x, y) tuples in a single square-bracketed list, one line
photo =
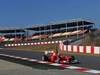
[(81, 69)]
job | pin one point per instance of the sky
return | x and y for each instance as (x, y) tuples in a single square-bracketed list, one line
[(25, 13)]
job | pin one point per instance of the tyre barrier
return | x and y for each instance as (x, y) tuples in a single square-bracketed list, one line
[(80, 49)]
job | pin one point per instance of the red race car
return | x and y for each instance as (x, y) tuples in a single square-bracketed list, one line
[(55, 57)]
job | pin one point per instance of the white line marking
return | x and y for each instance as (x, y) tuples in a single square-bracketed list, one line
[(24, 58), (55, 64), (32, 60), (73, 67), (17, 57), (42, 62), (92, 71), (12, 56)]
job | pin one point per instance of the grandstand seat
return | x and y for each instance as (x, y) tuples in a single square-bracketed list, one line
[(6, 39), (11, 39), (66, 33), (56, 35), (75, 32)]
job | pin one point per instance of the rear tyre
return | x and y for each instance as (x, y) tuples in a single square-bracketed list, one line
[(44, 58), (73, 57), (70, 61)]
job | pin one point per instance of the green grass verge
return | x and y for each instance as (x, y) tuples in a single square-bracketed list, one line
[(40, 48)]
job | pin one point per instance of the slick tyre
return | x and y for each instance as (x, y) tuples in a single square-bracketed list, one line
[(44, 58)]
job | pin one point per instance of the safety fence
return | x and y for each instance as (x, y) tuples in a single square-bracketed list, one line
[(67, 48), (80, 49), (33, 43)]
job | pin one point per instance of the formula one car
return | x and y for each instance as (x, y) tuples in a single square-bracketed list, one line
[(54, 57)]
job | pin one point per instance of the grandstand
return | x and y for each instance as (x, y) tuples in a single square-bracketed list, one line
[(11, 34), (68, 29)]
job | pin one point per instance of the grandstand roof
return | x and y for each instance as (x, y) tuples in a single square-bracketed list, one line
[(11, 30), (88, 21), (70, 23)]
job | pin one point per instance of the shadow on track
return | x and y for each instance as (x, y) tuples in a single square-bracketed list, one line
[(31, 64)]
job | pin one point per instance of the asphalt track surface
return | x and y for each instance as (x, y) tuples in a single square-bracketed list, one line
[(92, 62), (10, 68)]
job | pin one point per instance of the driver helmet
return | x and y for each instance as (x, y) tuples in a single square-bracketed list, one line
[(52, 51), (46, 52)]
